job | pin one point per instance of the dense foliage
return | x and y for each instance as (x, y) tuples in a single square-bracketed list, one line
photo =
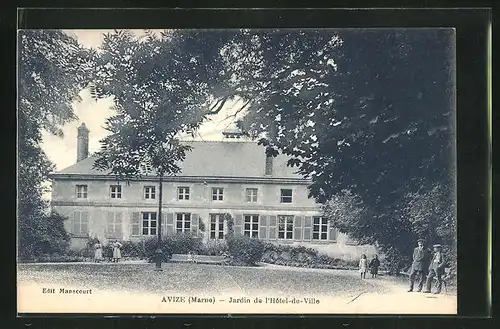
[(51, 72), (300, 256), (367, 115), (379, 124), (245, 250)]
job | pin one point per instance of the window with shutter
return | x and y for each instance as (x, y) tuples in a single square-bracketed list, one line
[(332, 234), (307, 229), (114, 225), (298, 228), (79, 225), (163, 225), (170, 224), (136, 224), (194, 224), (264, 223), (272, 227), (238, 224), (85, 223)]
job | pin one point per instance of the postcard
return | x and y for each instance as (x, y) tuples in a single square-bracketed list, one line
[(283, 171)]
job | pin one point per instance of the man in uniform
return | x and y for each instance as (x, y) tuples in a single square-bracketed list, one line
[(419, 266), (436, 269)]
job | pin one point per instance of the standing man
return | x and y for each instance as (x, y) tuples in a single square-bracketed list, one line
[(418, 267), (436, 269)]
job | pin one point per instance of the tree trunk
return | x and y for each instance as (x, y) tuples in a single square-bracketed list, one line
[(160, 197)]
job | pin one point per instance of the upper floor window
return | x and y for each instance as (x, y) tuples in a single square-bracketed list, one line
[(149, 223), (286, 195), (285, 227), (183, 223), (183, 193), (81, 191), (251, 195), (80, 223), (149, 192), (217, 193), (251, 228), (116, 191), (320, 228)]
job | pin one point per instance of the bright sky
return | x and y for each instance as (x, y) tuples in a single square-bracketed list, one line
[(62, 151)]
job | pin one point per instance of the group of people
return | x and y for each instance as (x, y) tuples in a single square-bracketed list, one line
[(98, 253), (373, 266), (424, 266), (427, 268)]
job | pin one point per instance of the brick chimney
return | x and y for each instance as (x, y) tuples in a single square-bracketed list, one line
[(269, 165), (270, 158), (82, 146)]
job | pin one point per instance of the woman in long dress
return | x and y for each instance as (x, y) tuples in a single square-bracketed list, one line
[(374, 265), (116, 251), (363, 266), (98, 252)]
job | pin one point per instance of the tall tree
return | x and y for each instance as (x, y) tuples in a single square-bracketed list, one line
[(369, 111), (380, 125), (161, 88), (51, 72)]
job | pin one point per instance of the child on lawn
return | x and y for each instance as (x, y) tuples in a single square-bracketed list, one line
[(363, 266)]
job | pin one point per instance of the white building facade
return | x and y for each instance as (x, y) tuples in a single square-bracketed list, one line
[(264, 196)]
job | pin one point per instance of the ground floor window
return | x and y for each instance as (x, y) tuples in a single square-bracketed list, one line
[(216, 226), (183, 223), (251, 226), (80, 223), (149, 223), (320, 228), (114, 225), (285, 227)]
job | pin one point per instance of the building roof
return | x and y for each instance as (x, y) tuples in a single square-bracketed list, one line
[(240, 159)]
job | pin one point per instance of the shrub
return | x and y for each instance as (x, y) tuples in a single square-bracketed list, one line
[(182, 243), (215, 247), (300, 256), (395, 260), (245, 250), (133, 249), (40, 234)]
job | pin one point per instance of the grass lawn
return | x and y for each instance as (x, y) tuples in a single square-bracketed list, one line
[(198, 278), (138, 288)]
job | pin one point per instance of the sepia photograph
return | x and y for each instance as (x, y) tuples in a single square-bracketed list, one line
[(237, 171)]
